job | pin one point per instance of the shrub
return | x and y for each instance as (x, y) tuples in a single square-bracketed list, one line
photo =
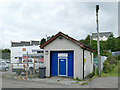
[(112, 60), (107, 67), (118, 57)]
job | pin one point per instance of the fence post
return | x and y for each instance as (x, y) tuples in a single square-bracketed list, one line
[(95, 68)]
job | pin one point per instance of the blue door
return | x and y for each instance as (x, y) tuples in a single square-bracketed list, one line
[(54, 64), (62, 67)]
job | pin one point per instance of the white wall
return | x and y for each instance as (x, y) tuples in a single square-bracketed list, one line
[(66, 45), (89, 63), (101, 39), (17, 51)]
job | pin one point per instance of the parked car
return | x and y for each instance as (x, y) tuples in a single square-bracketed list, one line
[(21, 67), (4, 66)]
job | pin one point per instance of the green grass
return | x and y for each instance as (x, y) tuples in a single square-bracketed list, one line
[(113, 73)]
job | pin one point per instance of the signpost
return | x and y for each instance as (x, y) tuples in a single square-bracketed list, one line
[(27, 67), (34, 63)]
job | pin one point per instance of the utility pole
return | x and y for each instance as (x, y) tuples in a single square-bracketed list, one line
[(98, 45)]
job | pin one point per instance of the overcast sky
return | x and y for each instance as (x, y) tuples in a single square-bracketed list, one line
[(25, 21)]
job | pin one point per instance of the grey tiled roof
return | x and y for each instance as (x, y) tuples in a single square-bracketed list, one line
[(106, 34)]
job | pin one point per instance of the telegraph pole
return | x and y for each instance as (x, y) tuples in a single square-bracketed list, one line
[(98, 45)]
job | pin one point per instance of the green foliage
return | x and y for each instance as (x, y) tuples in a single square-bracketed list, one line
[(78, 79), (118, 57), (111, 44), (92, 74), (112, 60), (42, 41), (107, 66), (118, 43), (114, 72), (6, 51), (5, 54)]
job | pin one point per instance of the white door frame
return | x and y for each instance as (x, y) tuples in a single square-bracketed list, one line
[(66, 67)]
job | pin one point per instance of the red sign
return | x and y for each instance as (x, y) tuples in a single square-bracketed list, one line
[(24, 57), (24, 49), (42, 60)]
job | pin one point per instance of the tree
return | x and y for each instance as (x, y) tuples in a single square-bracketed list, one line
[(6, 51), (118, 43), (111, 43), (86, 41), (42, 41)]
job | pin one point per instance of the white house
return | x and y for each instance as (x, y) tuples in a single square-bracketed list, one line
[(66, 57), (103, 36), (19, 51)]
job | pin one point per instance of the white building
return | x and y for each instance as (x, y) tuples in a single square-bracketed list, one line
[(67, 57), (19, 51), (103, 36)]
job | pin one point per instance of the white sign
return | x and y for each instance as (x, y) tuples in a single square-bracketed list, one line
[(62, 54)]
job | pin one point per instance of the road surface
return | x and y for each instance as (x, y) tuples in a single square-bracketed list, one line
[(10, 83), (103, 82)]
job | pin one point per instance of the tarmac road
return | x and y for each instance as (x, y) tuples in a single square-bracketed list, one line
[(101, 82), (104, 82), (10, 83)]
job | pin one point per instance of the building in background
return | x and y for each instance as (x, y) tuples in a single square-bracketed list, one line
[(19, 51), (116, 53), (103, 36)]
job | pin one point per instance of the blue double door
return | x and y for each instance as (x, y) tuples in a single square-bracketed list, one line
[(62, 64)]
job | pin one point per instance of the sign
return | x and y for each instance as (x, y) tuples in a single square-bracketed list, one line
[(24, 57), (84, 60), (62, 54), (24, 49)]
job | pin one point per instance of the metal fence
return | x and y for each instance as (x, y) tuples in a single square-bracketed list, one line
[(103, 58), (5, 56)]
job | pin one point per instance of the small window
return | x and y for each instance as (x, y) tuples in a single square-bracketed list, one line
[(0, 63), (3, 63), (39, 51)]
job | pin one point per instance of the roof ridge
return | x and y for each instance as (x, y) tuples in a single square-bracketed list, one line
[(68, 37)]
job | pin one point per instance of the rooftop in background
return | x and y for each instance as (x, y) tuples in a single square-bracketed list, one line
[(24, 43), (106, 34), (103, 36)]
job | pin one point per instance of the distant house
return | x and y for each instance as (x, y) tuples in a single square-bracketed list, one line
[(115, 53), (103, 36)]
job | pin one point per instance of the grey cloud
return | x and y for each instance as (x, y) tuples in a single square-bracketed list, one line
[(29, 21)]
